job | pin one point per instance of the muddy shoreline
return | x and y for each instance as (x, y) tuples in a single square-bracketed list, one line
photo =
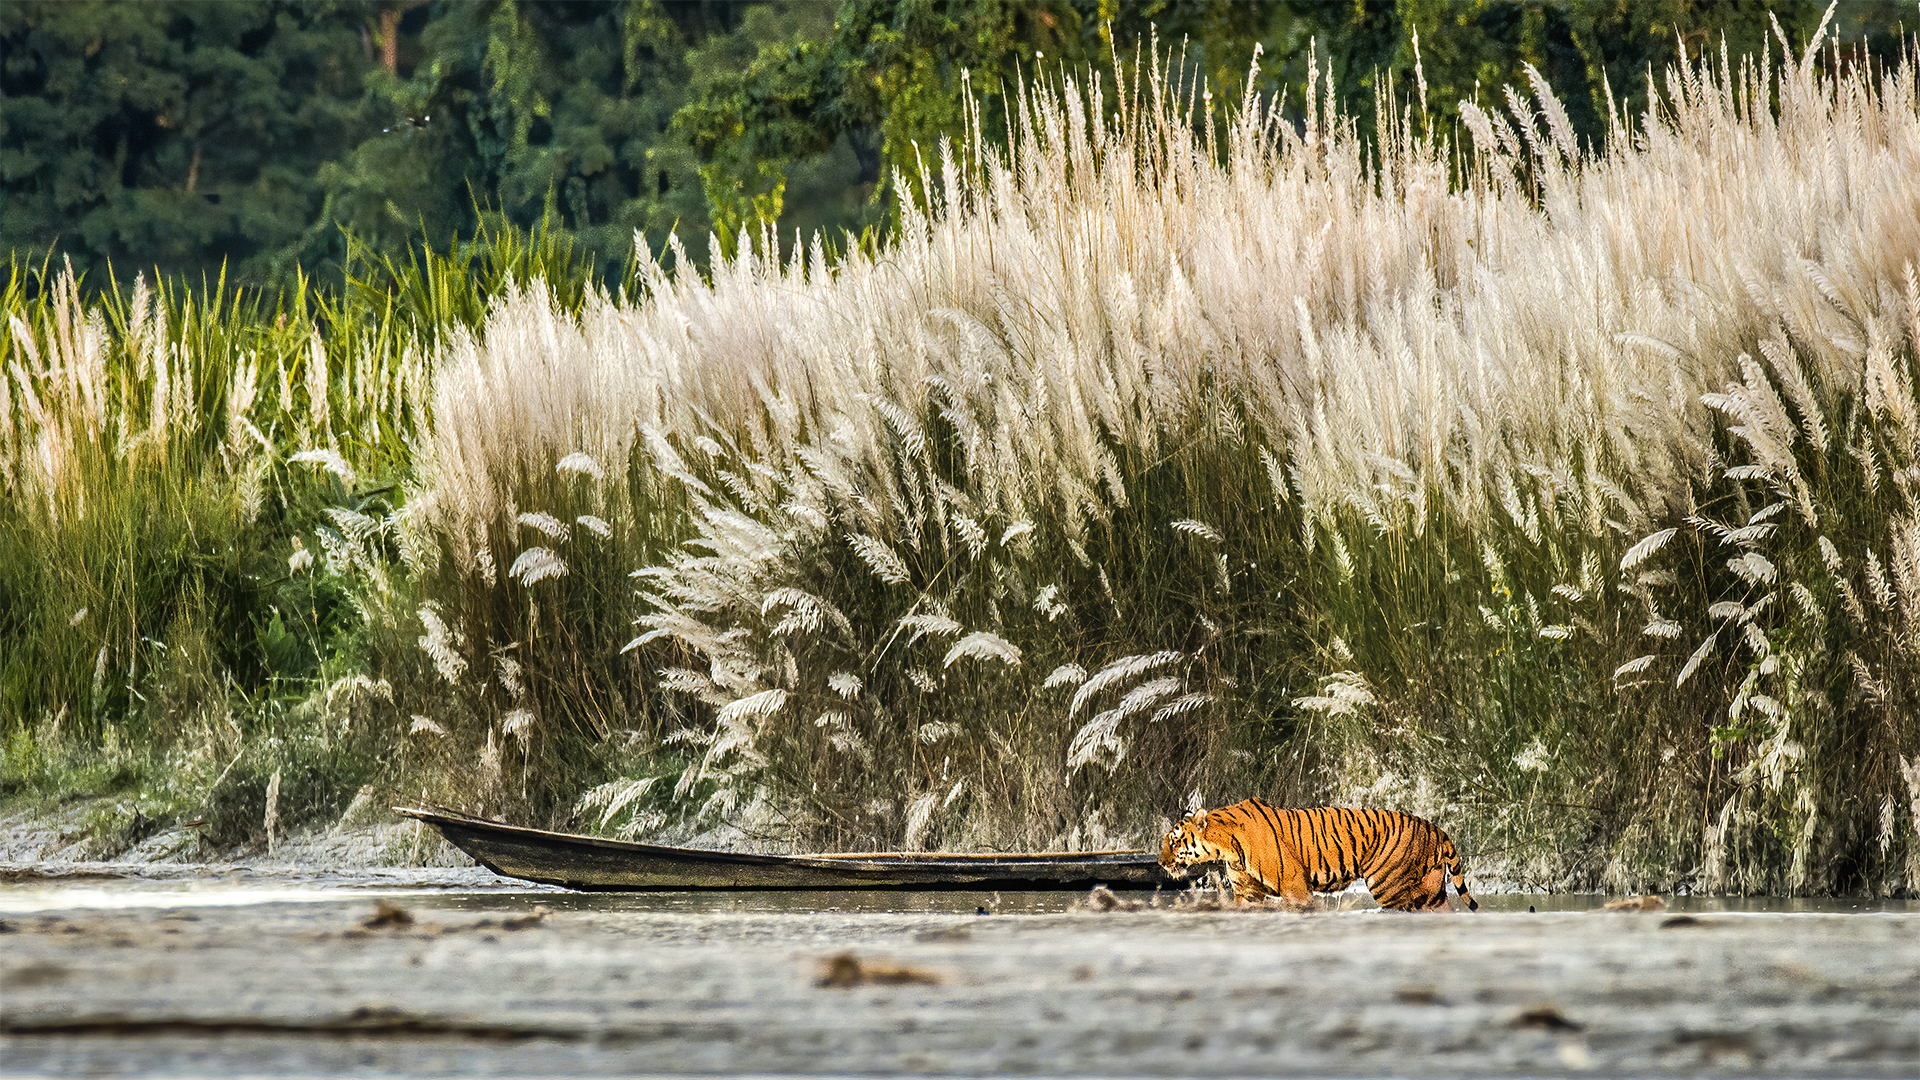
[(509, 981)]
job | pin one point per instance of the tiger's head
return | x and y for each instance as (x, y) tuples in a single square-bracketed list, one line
[(1187, 846)]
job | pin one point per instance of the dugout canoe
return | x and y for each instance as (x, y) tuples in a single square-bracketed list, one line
[(592, 864)]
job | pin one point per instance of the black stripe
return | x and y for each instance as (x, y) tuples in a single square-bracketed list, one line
[(1401, 867), (1313, 842), (1324, 828), (1295, 838), (1379, 826), (1271, 824), (1368, 842), (1341, 837), (1270, 817)]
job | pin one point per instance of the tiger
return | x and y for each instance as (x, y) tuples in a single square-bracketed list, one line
[(1291, 854)]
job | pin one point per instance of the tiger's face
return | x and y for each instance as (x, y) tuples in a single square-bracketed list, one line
[(1186, 846)]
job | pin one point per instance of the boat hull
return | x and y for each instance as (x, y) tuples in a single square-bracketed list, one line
[(593, 864)]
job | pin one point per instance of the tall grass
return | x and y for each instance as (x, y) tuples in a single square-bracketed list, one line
[(199, 573), (1167, 453), (1157, 460)]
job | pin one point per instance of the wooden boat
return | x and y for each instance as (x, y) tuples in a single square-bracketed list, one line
[(590, 863)]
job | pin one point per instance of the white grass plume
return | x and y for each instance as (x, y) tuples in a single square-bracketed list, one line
[(1541, 356)]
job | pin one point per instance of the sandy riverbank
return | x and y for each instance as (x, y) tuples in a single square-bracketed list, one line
[(482, 983)]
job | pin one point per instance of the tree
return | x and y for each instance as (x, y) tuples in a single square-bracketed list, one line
[(888, 81), (184, 135), (1583, 48), (536, 112)]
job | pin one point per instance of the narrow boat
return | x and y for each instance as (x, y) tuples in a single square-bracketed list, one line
[(593, 864)]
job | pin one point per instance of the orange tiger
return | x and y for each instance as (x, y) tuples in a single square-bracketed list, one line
[(1292, 854)]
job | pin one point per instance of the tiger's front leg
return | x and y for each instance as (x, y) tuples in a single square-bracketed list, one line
[(1290, 891), (1283, 898), (1247, 886)]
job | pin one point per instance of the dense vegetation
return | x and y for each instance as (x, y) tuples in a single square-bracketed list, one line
[(1559, 487), (253, 136)]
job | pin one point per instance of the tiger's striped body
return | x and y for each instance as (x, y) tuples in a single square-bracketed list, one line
[(1292, 854)]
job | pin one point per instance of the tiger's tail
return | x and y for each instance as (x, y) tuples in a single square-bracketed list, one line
[(1451, 859)]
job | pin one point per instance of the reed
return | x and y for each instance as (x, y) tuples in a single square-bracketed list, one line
[(177, 462), (1157, 457)]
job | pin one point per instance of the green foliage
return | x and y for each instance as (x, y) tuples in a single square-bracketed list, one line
[(1791, 593), (202, 543), (548, 111), (431, 291), (1586, 50), (183, 135), (887, 80), (152, 588)]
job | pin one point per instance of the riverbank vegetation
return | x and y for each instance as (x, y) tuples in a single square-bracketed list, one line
[(1562, 490)]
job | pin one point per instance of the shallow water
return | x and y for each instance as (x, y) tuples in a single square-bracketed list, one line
[(476, 889)]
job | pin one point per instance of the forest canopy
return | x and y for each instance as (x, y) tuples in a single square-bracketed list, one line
[(263, 138)]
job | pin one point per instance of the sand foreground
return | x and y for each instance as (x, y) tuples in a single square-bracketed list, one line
[(494, 985)]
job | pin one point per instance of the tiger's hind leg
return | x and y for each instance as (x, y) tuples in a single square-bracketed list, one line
[(1425, 893)]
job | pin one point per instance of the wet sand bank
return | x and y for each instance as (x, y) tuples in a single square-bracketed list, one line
[(488, 983)]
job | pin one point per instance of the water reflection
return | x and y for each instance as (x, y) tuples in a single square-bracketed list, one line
[(806, 901)]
